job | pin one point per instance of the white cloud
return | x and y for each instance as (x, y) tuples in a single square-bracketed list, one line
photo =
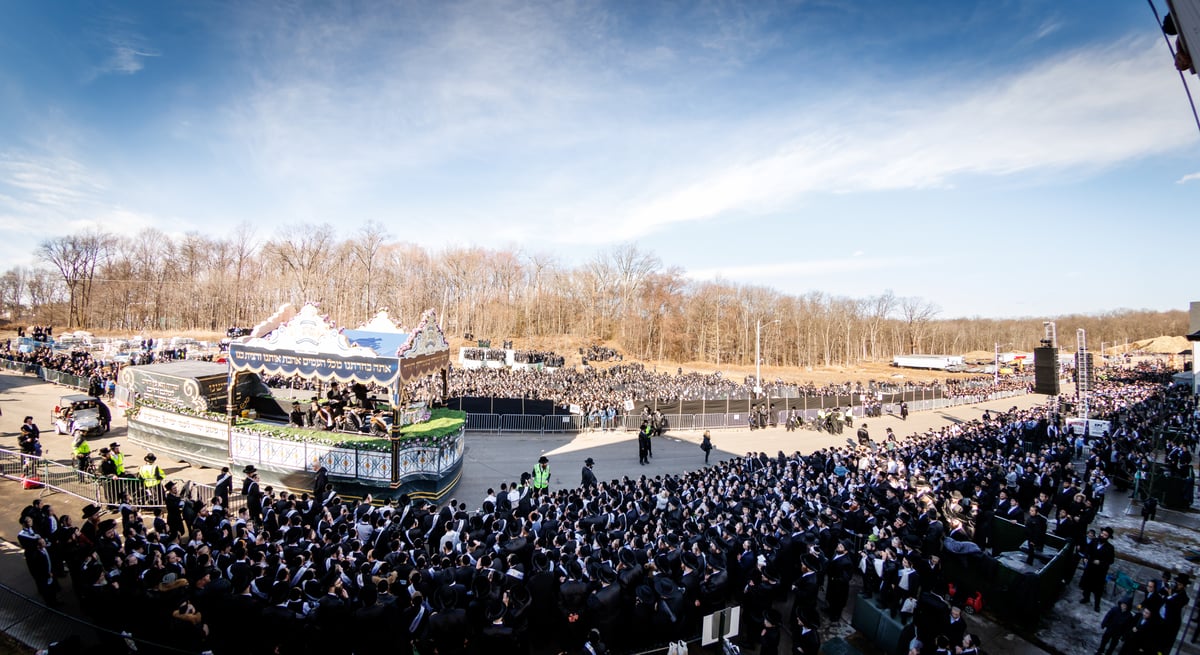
[(43, 196), (1188, 178), (1047, 28), (50, 182), (126, 56), (1084, 110)]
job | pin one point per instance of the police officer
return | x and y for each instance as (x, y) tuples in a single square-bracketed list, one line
[(118, 458), (83, 454), (152, 477), (541, 475)]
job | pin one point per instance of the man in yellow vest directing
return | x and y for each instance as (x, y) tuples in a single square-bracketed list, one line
[(152, 476), (117, 457), (83, 454), (541, 475)]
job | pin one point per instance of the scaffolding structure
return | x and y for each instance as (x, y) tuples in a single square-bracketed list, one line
[(1083, 372)]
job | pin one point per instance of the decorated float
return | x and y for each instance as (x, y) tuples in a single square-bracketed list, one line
[(409, 447)]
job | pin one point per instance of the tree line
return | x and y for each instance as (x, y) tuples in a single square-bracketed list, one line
[(153, 281)]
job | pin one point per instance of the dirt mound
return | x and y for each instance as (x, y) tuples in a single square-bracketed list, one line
[(1163, 345)]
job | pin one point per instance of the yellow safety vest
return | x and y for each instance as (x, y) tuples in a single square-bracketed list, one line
[(119, 462), (84, 448), (541, 476), (150, 474)]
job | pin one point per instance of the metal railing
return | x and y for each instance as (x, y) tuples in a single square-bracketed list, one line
[(49, 475), (43, 373), (557, 423)]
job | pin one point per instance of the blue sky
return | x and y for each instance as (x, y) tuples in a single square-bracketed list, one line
[(1000, 158)]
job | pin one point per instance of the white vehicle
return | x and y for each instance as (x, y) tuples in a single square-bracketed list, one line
[(932, 362)]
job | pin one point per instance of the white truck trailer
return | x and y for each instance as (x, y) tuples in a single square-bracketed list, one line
[(931, 362)]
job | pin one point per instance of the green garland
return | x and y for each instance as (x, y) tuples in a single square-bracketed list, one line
[(439, 430)]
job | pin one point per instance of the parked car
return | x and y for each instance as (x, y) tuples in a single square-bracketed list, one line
[(81, 414)]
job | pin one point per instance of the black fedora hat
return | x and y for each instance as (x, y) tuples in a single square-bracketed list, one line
[(663, 586), (627, 557)]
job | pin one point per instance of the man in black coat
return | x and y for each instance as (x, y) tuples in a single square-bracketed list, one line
[(605, 604), (41, 569), (769, 641), (253, 492), (1116, 624), (1098, 557), (837, 590), (805, 594), (1142, 635), (588, 480), (805, 640), (1035, 532), (1172, 612), (496, 637)]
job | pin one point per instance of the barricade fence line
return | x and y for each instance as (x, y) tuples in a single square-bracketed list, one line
[(47, 374), (50, 475), (560, 423)]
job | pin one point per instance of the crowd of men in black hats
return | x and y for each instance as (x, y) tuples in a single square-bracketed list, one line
[(632, 562)]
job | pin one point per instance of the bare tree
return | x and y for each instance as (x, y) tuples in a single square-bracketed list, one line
[(171, 282), (13, 292), (878, 309), (627, 268), (76, 257), (917, 314), (366, 248), (302, 256)]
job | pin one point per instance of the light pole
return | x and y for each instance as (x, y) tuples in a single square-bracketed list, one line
[(996, 364), (758, 355)]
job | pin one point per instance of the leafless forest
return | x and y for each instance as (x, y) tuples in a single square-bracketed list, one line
[(623, 296)]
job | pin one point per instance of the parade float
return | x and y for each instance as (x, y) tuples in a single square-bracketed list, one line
[(415, 449)]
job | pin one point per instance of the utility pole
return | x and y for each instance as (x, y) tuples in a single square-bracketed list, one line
[(758, 354)]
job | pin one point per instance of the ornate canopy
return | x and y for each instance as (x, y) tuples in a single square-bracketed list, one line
[(307, 344)]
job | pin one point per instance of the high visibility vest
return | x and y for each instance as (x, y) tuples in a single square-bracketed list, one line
[(83, 449), (541, 476), (150, 474), (119, 462)]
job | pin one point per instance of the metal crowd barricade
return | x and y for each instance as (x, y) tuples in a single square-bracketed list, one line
[(65, 379), (521, 423), (562, 423), (65, 478), (483, 423)]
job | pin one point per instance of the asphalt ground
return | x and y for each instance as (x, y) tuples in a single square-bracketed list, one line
[(489, 460)]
